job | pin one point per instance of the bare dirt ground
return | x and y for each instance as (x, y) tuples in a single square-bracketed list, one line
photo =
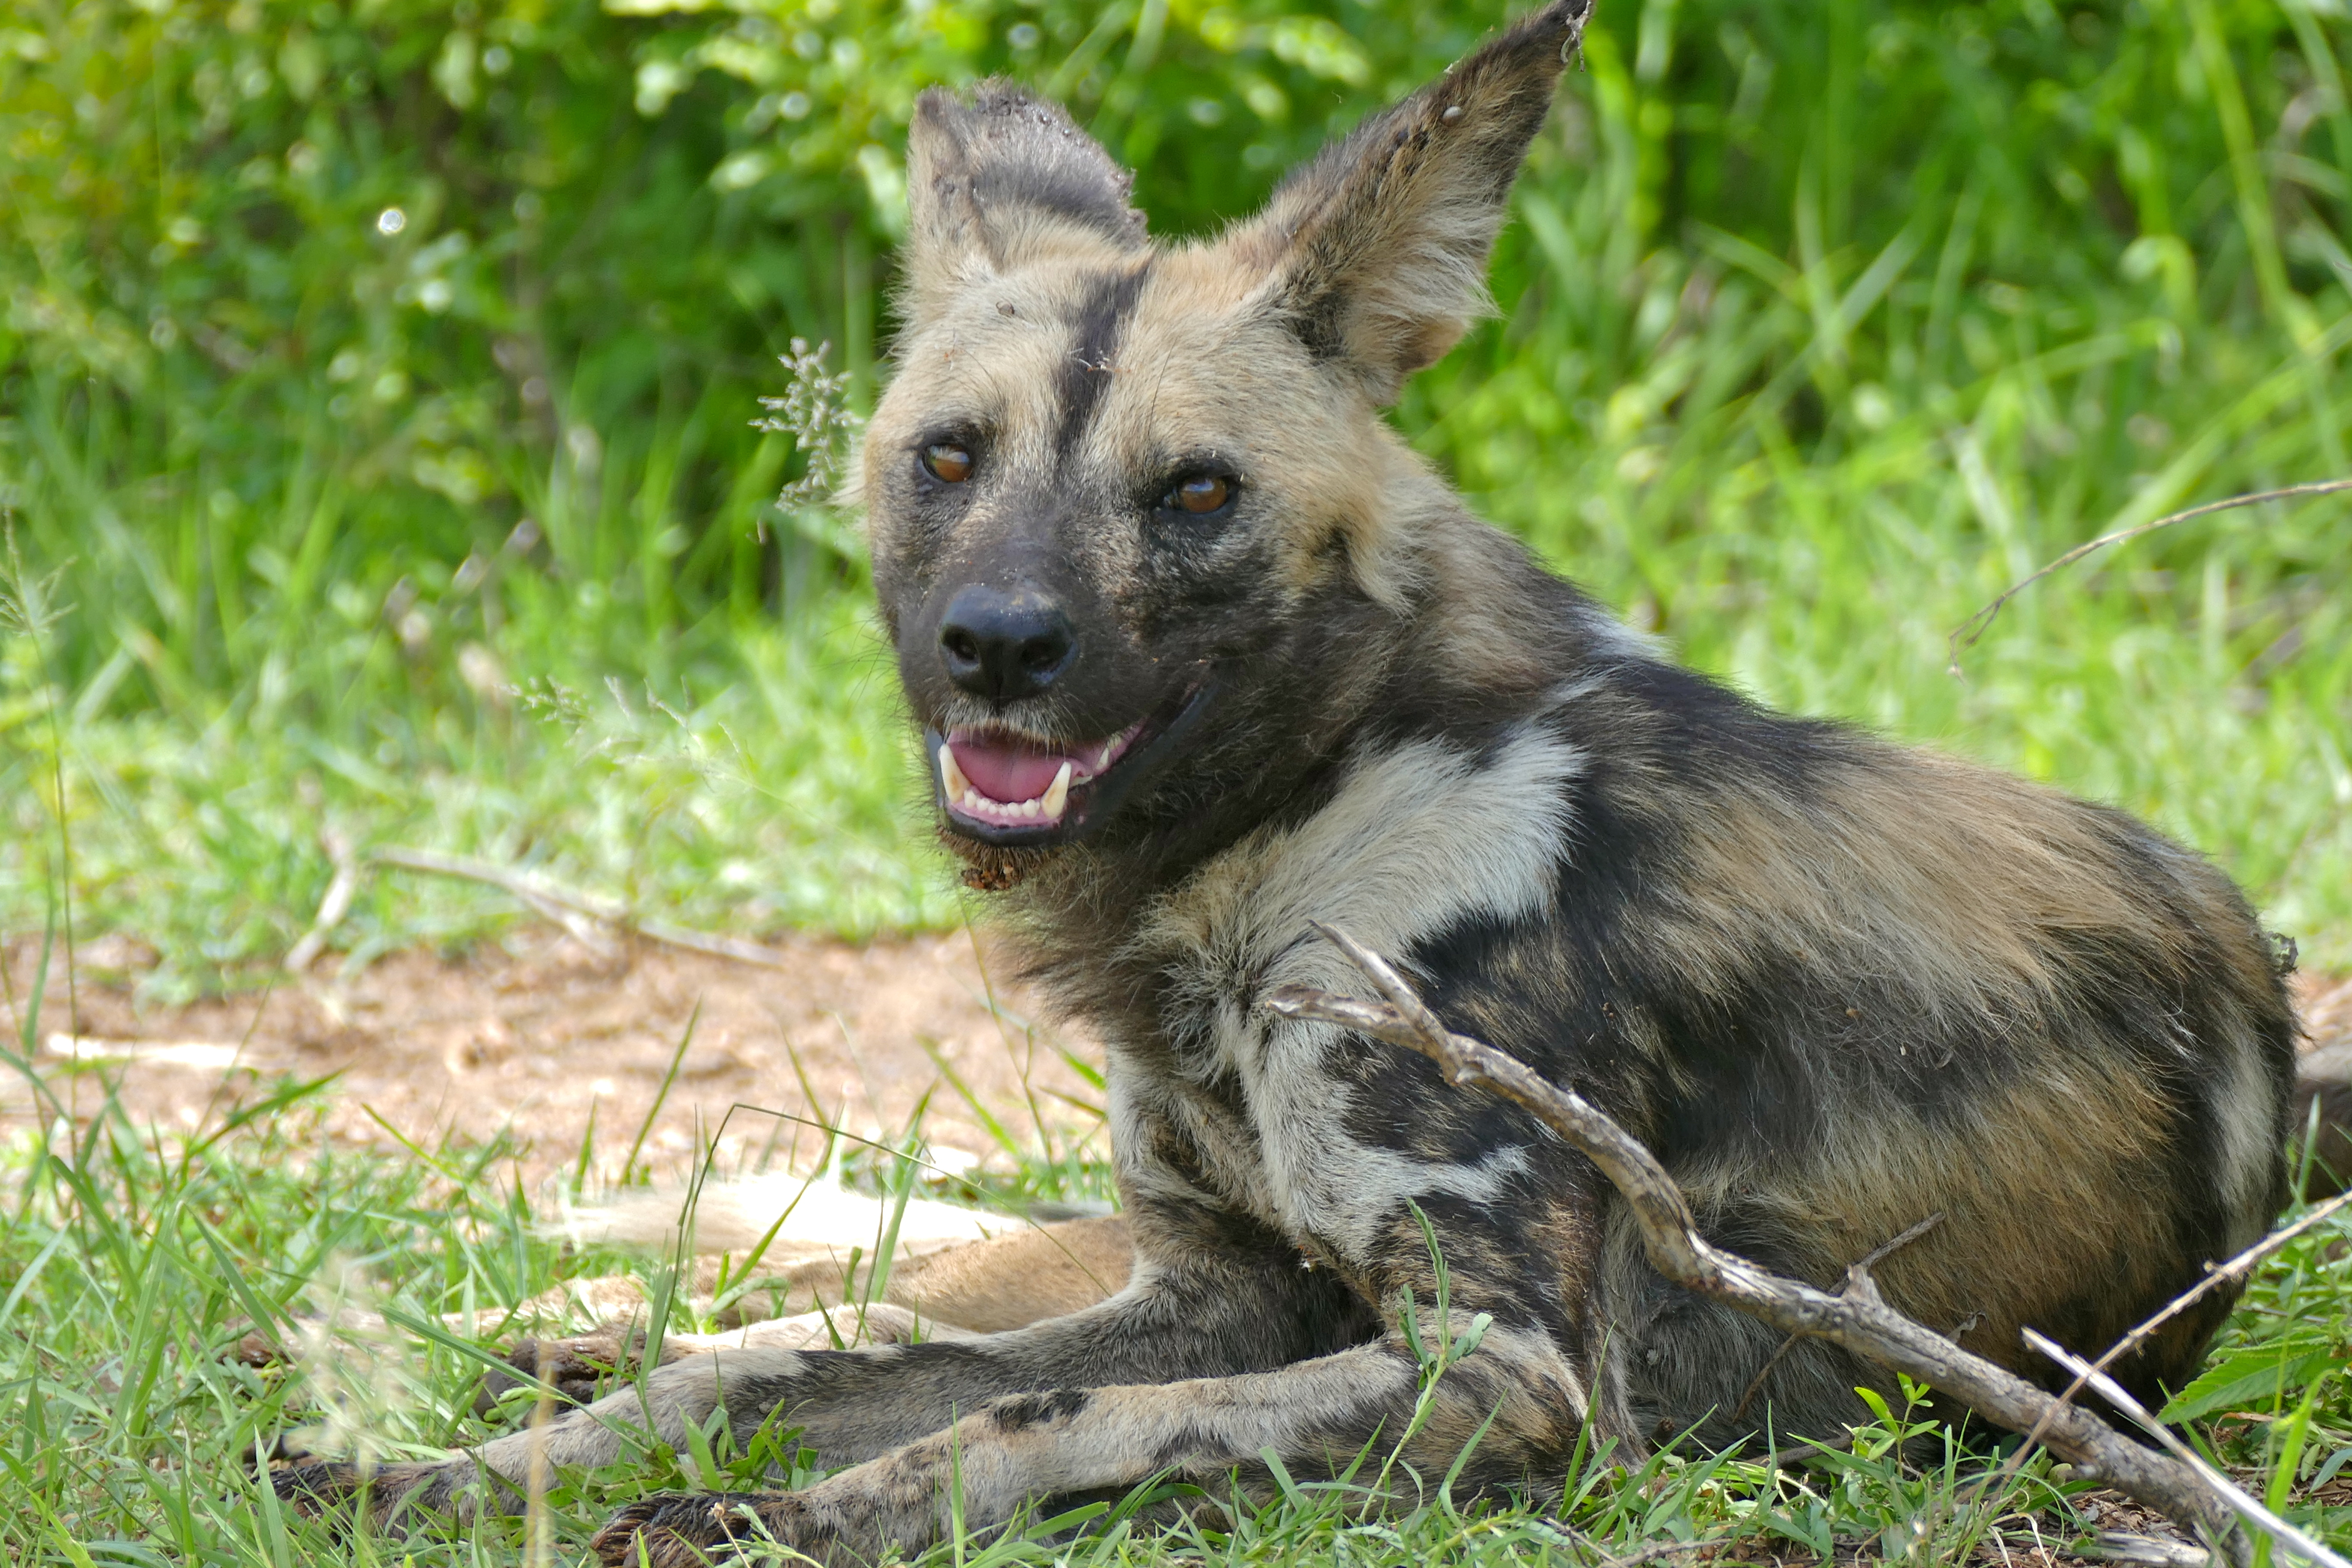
[(532, 1034)]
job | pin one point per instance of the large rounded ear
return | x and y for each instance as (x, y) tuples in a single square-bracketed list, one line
[(1376, 251), (1001, 178)]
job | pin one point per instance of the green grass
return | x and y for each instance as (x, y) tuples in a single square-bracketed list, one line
[(1819, 326), (132, 1266), (782, 798)]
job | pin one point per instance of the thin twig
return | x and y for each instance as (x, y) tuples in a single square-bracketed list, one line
[(1650, 1552), (580, 912), (2236, 1269), (341, 889), (1968, 632), (1858, 1319), (1870, 1260), (2115, 1393)]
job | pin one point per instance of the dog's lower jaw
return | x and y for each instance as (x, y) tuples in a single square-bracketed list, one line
[(991, 867)]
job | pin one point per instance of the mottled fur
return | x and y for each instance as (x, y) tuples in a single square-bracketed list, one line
[(1837, 986)]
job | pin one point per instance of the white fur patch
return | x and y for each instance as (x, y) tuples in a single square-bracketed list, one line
[(1417, 839), (2249, 1139)]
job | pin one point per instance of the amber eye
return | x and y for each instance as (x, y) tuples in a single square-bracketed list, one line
[(1199, 495), (947, 462)]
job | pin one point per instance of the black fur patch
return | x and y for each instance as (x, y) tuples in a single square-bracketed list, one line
[(1026, 1410), (1083, 378), (1003, 147)]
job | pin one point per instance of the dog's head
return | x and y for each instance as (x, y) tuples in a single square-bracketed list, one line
[(1122, 495)]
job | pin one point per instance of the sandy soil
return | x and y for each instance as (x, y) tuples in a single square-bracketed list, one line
[(529, 1034)]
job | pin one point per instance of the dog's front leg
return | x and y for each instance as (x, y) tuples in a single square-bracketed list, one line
[(1316, 1417)]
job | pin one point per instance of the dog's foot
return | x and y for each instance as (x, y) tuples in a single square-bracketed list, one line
[(579, 1367), (345, 1492), (677, 1530), (317, 1491), (328, 1491)]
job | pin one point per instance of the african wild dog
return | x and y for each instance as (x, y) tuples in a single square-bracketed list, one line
[(1201, 652)]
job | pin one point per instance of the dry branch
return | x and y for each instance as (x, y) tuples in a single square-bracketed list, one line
[(1857, 1319), (2232, 1272), (2115, 1393)]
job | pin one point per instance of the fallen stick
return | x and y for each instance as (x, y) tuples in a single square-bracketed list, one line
[(2232, 1272), (576, 911), (1858, 1318)]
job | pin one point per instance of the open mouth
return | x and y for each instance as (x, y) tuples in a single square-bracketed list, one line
[(1007, 788)]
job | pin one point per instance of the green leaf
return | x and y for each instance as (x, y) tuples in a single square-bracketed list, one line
[(2256, 1379)]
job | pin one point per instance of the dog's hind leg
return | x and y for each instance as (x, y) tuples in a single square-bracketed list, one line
[(979, 1286), (1511, 1405), (1190, 1312)]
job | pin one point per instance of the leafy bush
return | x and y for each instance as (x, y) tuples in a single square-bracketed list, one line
[(339, 341)]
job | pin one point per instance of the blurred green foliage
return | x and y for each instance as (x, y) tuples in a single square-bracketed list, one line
[(360, 363)]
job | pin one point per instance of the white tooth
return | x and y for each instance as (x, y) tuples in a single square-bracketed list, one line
[(1056, 795), (952, 784)]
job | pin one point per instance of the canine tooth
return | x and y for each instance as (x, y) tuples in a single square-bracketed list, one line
[(952, 784), (1057, 796)]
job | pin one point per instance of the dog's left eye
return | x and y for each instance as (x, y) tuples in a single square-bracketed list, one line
[(948, 462), (1199, 495)]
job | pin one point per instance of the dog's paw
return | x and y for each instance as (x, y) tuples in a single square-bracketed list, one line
[(677, 1530), (579, 1367), (345, 1494), (318, 1490)]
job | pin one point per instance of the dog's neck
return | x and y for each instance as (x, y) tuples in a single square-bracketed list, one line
[(1354, 679)]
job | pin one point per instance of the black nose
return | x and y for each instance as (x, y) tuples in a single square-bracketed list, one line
[(1005, 644)]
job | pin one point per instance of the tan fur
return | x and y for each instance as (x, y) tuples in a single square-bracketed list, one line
[(979, 1286)]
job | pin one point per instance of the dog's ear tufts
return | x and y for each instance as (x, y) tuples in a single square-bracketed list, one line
[(1376, 250), (998, 178)]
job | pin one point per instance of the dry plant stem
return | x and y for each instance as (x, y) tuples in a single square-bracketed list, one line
[(2116, 1394), (1857, 1319), (1870, 1260), (538, 1524), (579, 913), (1964, 635), (2236, 1269), (341, 889)]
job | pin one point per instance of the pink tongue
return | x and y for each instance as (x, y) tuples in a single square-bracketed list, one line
[(1007, 773)]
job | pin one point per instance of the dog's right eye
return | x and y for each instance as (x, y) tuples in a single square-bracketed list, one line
[(947, 462), (1199, 495)]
